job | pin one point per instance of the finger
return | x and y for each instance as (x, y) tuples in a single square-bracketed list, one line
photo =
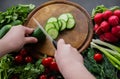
[(28, 30), (60, 43), (30, 40)]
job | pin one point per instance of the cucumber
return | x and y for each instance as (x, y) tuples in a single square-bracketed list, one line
[(53, 33), (39, 34), (70, 23), (60, 24), (69, 15), (52, 19), (63, 27), (48, 26), (4, 30), (63, 17), (56, 25)]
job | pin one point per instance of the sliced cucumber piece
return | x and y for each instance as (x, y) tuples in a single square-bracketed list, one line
[(70, 23), (56, 25), (63, 17), (63, 27), (49, 26), (60, 24), (53, 33), (52, 19), (69, 15)]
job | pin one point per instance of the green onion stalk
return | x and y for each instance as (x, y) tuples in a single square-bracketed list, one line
[(112, 52)]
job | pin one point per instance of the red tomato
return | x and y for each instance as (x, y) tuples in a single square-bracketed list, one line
[(53, 66), (23, 52), (43, 77), (52, 77), (46, 61), (14, 77), (18, 58), (98, 57), (28, 59)]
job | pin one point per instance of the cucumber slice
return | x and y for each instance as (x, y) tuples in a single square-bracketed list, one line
[(49, 26), (60, 24), (70, 23), (56, 25), (52, 19), (69, 15), (63, 27), (53, 33), (63, 17)]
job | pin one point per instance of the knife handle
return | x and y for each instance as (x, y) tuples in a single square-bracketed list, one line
[(55, 44)]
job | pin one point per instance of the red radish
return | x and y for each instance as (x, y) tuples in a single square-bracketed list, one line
[(102, 37), (109, 37), (98, 18), (117, 13), (113, 20), (105, 26), (116, 31), (96, 27), (107, 14), (98, 30)]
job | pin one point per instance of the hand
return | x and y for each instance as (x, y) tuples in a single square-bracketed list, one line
[(66, 53), (17, 37), (70, 62)]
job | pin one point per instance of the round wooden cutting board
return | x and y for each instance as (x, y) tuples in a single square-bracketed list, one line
[(79, 37)]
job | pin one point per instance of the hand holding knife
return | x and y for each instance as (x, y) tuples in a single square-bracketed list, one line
[(48, 36)]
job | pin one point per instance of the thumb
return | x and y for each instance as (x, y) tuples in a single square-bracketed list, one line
[(30, 40), (60, 43)]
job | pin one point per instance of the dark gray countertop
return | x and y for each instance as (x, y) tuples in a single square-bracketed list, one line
[(87, 4)]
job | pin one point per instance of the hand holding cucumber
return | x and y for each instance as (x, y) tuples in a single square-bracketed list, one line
[(16, 38)]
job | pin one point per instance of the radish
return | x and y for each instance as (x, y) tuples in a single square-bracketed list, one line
[(109, 37), (107, 14), (98, 18), (105, 26), (117, 13), (113, 20), (98, 31), (116, 31), (95, 27)]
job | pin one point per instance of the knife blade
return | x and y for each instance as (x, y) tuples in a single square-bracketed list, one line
[(47, 35)]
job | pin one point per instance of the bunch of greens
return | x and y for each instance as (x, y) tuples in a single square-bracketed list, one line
[(102, 8), (27, 71), (101, 70), (15, 15)]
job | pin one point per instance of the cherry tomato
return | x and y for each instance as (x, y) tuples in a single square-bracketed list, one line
[(28, 59), (42, 77), (98, 57), (52, 77), (18, 58), (53, 66), (23, 52), (15, 77), (46, 61)]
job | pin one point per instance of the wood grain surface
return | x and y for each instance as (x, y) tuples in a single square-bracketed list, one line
[(79, 37)]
